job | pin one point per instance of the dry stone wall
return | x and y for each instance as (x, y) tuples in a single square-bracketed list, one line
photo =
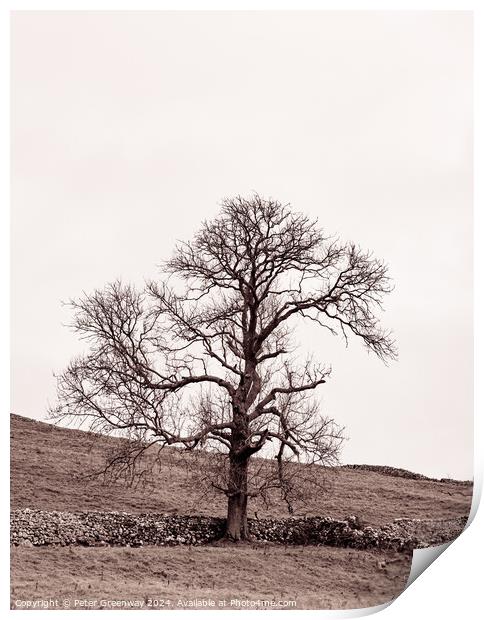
[(38, 528), (397, 472)]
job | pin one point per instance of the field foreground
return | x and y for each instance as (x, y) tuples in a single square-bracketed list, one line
[(189, 577)]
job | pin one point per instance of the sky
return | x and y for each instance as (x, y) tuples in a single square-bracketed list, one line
[(129, 128)]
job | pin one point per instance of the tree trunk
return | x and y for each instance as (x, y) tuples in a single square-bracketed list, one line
[(236, 528)]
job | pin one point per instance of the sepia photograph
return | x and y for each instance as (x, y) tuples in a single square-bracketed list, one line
[(241, 306)]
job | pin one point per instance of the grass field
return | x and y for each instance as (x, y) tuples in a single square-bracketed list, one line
[(46, 459), (314, 577)]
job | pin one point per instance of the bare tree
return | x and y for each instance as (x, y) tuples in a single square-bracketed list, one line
[(203, 359)]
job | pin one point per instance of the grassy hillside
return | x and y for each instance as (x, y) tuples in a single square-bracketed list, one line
[(45, 460)]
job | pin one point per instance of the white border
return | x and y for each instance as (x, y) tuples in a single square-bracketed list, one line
[(450, 587)]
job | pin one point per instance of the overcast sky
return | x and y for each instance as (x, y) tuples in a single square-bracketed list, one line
[(129, 128)]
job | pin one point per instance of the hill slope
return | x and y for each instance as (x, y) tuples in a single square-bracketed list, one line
[(45, 460)]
